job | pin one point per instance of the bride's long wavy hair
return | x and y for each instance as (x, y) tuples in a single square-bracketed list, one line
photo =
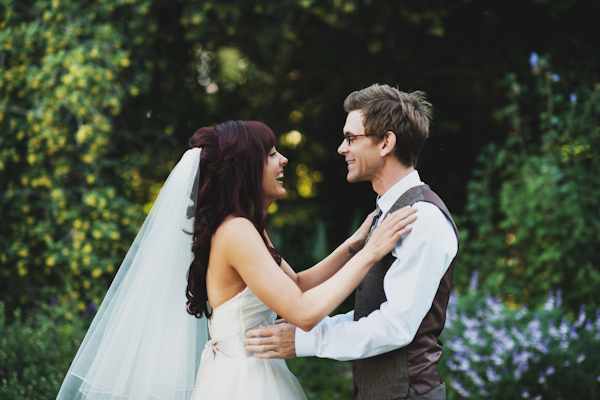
[(233, 157)]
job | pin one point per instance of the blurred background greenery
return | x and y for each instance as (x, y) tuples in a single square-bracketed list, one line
[(99, 98)]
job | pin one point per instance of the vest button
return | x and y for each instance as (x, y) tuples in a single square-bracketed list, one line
[(359, 287)]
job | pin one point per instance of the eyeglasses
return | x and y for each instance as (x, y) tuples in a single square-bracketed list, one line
[(350, 138)]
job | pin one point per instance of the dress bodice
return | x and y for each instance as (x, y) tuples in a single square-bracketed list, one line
[(228, 371), (231, 320)]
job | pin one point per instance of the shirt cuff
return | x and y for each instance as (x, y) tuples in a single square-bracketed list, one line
[(305, 343)]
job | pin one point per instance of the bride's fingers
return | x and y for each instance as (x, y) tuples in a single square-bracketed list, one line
[(399, 219)]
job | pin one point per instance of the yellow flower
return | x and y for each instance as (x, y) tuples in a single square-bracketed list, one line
[(23, 253), (50, 261), (110, 268), (97, 234), (86, 260), (87, 249), (114, 235), (96, 272), (90, 179), (91, 201), (25, 209)]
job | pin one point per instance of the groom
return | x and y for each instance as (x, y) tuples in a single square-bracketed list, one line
[(400, 307)]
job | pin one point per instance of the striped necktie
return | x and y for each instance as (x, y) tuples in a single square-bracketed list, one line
[(374, 223)]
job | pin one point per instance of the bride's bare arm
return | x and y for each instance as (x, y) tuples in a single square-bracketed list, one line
[(242, 247), (322, 271)]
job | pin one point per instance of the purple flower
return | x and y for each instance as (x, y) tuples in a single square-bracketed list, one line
[(542, 379), (581, 358), (459, 388), (533, 60), (549, 306), (525, 394), (573, 98), (580, 317), (473, 283), (550, 370), (555, 77), (588, 325), (52, 300), (492, 375)]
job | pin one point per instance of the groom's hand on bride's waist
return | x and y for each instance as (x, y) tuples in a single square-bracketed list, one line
[(274, 341)]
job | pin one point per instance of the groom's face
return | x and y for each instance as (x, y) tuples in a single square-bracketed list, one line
[(360, 152)]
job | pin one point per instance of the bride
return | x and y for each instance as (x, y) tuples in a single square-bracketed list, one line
[(209, 222)]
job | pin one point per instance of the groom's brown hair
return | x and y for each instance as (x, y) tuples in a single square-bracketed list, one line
[(388, 109)]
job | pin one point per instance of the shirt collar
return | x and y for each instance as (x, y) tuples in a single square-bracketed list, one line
[(388, 199)]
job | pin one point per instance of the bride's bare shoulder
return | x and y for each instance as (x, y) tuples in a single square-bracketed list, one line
[(233, 228)]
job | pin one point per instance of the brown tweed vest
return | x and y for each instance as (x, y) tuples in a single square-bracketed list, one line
[(387, 376)]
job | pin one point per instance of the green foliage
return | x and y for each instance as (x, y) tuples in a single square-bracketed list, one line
[(493, 351), (36, 352), (68, 197), (322, 378), (532, 213)]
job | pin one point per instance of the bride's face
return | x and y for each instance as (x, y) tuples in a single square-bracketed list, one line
[(273, 175)]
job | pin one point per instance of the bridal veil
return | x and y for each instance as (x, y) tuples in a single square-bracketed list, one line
[(142, 343)]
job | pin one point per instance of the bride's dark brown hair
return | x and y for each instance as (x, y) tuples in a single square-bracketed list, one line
[(233, 157)]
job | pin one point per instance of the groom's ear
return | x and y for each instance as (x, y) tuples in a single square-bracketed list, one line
[(388, 144)]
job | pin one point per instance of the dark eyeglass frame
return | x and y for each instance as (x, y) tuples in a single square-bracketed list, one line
[(350, 138)]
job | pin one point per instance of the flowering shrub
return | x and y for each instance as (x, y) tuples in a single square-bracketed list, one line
[(531, 219), (36, 350), (493, 351)]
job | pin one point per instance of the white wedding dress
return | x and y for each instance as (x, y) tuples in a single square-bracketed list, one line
[(227, 371)]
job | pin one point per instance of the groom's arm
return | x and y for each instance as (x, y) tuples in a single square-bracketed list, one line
[(410, 286), (284, 340)]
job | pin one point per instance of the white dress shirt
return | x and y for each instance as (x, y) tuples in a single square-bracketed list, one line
[(422, 258)]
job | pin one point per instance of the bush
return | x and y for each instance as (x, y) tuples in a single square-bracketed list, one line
[(495, 351), (323, 378), (531, 222), (35, 353)]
